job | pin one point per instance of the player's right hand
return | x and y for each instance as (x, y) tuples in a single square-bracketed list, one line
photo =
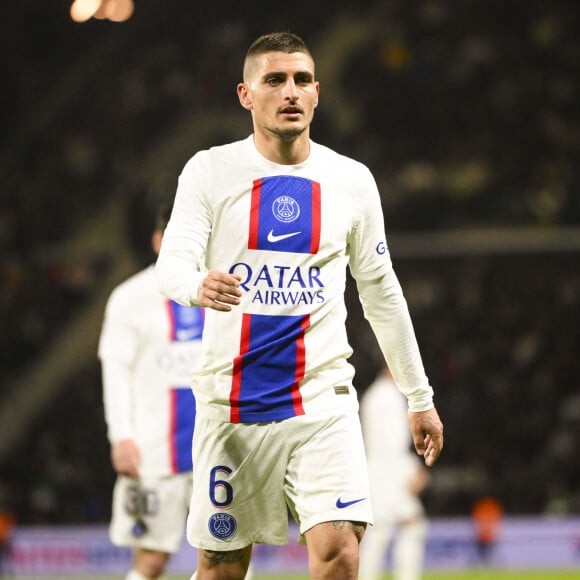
[(219, 291)]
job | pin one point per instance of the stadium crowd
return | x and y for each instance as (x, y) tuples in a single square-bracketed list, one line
[(466, 113)]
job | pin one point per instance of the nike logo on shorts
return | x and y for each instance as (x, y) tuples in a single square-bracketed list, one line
[(272, 237), (344, 504)]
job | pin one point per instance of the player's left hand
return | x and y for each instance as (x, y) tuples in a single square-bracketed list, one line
[(126, 458), (427, 431)]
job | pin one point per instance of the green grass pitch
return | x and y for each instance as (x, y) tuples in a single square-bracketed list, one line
[(468, 575), (465, 575), (490, 574)]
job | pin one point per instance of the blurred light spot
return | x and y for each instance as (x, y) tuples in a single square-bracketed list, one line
[(82, 10), (100, 14), (418, 176), (395, 55), (119, 10), (114, 10)]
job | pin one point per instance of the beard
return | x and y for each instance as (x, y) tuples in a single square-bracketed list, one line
[(287, 134)]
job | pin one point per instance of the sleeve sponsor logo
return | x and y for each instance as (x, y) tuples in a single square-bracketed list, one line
[(381, 248)]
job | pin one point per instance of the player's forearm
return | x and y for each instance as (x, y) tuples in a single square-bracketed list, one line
[(386, 310), (181, 261)]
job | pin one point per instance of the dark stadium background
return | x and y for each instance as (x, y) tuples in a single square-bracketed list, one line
[(467, 113)]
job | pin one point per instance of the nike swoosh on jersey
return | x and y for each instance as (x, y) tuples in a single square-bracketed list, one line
[(344, 504), (187, 334), (272, 237)]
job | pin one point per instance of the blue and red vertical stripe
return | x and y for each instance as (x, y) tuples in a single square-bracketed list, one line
[(185, 325), (284, 217), (268, 370)]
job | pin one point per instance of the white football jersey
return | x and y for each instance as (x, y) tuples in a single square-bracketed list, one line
[(156, 343), (289, 232)]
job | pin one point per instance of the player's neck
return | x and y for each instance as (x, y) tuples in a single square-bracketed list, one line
[(283, 151)]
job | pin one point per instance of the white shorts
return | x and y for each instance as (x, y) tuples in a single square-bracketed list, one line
[(150, 513), (247, 476)]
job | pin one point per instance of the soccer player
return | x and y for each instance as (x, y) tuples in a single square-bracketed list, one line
[(397, 479), (148, 347), (261, 233)]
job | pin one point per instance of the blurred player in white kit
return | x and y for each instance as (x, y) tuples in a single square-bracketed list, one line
[(148, 347), (397, 478)]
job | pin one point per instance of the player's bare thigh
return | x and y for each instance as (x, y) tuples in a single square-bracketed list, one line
[(232, 564)]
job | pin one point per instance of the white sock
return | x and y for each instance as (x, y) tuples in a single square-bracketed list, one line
[(134, 575), (409, 550), (373, 550), (249, 574)]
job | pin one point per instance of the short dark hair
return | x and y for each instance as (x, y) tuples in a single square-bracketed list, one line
[(277, 42), (287, 42)]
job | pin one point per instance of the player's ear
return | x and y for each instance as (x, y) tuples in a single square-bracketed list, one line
[(244, 96)]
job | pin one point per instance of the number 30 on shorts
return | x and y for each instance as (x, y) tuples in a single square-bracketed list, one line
[(221, 493)]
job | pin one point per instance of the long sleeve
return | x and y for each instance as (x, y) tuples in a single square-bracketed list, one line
[(118, 347), (180, 264), (117, 400), (385, 308)]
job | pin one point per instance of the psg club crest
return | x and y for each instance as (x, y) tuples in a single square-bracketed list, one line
[(222, 526), (285, 209), (139, 529)]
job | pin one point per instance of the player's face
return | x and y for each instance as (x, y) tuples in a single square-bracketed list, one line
[(281, 92)]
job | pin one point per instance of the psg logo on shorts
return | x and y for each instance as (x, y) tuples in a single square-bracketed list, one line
[(139, 529), (222, 526)]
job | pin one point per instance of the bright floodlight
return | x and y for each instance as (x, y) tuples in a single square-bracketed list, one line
[(82, 10)]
